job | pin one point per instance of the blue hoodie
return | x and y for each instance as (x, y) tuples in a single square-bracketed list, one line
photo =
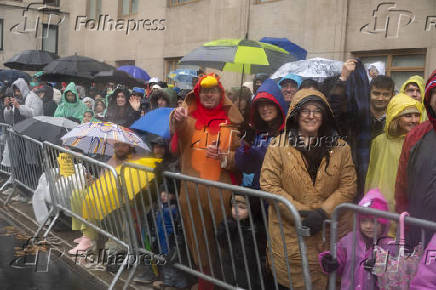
[(249, 159)]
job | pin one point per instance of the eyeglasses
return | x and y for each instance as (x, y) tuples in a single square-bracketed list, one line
[(307, 113)]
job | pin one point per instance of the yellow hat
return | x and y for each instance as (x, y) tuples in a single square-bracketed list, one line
[(209, 82)]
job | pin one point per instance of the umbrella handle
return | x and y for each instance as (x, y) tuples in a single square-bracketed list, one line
[(402, 215)]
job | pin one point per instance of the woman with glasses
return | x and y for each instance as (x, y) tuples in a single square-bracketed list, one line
[(312, 167)]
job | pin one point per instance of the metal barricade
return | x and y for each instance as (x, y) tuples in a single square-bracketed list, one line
[(4, 162), (197, 232), (24, 162), (89, 192), (375, 214)]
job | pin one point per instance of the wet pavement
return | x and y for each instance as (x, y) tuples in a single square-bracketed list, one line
[(16, 274)]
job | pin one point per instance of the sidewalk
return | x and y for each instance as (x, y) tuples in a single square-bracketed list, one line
[(21, 214)]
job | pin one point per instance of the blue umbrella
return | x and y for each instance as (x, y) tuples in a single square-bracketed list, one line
[(155, 122), (135, 72), (297, 51)]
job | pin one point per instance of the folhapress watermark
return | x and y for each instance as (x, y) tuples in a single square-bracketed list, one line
[(107, 23)]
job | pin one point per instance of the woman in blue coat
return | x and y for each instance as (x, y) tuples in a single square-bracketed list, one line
[(267, 114)]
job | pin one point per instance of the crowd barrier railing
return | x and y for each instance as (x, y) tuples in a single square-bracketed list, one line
[(197, 235), (4, 168), (89, 191), (424, 227), (21, 161)]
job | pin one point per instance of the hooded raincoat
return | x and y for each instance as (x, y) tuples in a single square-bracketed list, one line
[(30, 104), (425, 278), (249, 158), (284, 172), (421, 84), (386, 150), (191, 137), (364, 248), (68, 109), (416, 180)]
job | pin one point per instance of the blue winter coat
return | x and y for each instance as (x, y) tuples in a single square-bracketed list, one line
[(249, 159)]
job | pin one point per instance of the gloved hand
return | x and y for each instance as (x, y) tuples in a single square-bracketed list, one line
[(329, 264), (313, 219), (369, 264)]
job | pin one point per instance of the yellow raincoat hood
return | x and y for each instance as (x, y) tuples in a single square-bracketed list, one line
[(386, 151), (102, 197), (397, 105), (419, 81)]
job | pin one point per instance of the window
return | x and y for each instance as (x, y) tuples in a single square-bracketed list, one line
[(50, 38), (172, 3), (127, 7), (1, 34), (122, 62), (170, 65), (399, 64), (93, 9), (54, 3)]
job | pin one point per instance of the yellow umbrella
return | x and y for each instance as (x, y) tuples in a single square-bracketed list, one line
[(102, 197)]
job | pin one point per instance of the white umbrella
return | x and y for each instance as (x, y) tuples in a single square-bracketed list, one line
[(310, 68), (99, 138)]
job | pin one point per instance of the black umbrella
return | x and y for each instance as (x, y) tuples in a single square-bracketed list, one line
[(120, 77), (45, 128), (73, 68), (11, 75), (30, 60)]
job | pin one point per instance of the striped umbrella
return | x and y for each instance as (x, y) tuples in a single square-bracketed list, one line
[(238, 55)]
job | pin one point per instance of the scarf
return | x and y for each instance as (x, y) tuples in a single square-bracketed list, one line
[(210, 118)]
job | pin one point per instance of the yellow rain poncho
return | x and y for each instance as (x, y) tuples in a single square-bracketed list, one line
[(386, 150), (102, 197), (421, 84)]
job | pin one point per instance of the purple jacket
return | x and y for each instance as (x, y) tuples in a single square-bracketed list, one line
[(344, 251), (426, 274)]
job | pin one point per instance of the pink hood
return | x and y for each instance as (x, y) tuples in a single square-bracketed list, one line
[(374, 199)]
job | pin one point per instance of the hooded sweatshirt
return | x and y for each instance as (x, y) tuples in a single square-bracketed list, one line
[(30, 104), (74, 109), (49, 105), (364, 248), (249, 159), (386, 150)]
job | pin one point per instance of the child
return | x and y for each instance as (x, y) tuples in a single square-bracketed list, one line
[(364, 247), (240, 211), (88, 116)]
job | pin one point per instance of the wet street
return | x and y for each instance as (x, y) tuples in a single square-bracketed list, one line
[(14, 274)]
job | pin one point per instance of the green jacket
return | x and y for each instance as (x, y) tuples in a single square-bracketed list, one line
[(67, 109)]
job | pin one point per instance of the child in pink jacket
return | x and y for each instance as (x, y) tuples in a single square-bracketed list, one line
[(364, 247)]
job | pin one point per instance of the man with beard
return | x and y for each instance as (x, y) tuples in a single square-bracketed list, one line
[(381, 92)]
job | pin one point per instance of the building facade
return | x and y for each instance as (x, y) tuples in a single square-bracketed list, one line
[(155, 34)]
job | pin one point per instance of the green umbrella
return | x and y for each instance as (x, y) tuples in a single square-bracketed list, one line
[(238, 55)]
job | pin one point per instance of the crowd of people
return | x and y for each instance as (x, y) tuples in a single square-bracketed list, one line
[(317, 144)]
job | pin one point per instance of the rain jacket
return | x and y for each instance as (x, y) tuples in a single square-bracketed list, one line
[(386, 151), (249, 159), (191, 144), (344, 251), (49, 105), (67, 109), (401, 196), (415, 186), (425, 278), (31, 104), (284, 173), (420, 82)]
